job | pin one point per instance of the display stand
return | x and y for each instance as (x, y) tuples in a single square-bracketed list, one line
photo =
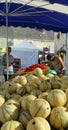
[(17, 64)]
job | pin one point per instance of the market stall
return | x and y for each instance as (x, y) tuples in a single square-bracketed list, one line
[(27, 52)]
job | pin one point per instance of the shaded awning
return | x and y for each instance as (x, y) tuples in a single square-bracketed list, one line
[(32, 14)]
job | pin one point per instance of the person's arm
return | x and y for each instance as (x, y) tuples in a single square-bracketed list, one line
[(60, 61), (51, 66)]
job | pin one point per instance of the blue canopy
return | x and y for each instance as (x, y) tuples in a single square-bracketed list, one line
[(26, 15), (64, 2)]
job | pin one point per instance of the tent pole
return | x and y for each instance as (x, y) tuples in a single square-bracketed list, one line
[(66, 47), (7, 35)]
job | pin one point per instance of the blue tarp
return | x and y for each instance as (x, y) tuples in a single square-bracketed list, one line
[(33, 17)]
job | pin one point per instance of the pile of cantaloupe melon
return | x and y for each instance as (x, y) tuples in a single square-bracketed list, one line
[(34, 101)]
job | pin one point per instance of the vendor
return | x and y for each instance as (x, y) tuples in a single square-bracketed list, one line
[(8, 69), (56, 63)]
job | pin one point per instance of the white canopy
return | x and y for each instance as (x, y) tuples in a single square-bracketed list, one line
[(27, 52)]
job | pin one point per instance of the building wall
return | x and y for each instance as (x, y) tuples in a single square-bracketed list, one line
[(3, 42), (39, 43)]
